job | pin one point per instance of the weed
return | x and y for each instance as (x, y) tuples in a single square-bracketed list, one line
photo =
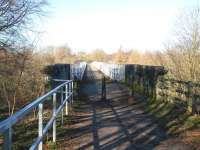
[(69, 119), (51, 145), (196, 140), (76, 105)]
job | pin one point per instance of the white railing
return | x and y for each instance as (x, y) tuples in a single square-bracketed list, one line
[(78, 70), (113, 71), (65, 90)]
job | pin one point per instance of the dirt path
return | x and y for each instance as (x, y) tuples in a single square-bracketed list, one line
[(117, 123)]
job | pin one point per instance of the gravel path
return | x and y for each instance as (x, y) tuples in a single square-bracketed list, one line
[(116, 123)]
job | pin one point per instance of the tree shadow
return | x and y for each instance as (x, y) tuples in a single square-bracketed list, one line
[(115, 123)]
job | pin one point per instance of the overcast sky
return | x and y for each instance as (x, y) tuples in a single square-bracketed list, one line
[(85, 25)]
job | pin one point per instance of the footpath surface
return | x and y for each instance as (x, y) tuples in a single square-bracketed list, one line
[(115, 123)]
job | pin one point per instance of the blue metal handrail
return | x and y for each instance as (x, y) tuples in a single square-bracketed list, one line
[(6, 125)]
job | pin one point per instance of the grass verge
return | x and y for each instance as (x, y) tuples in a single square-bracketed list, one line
[(176, 120)]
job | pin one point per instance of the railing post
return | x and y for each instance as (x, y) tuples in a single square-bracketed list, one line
[(66, 96), (40, 124), (72, 86), (54, 114), (8, 139), (69, 92), (61, 104)]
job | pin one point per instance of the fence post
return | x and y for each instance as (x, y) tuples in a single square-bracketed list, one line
[(54, 114), (72, 86), (66, 96), (61, 104), (190, 98), (69, 92), (8, 139), (40, 124), (103, 91)]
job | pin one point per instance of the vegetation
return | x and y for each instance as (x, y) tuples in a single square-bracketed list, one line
[(16, 19), (18, 79), (22, 79), (176, 120)]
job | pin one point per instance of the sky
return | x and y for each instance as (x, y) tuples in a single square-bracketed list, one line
[(85, 25)]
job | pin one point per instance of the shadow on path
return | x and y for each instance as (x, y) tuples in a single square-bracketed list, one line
[(116, 123)]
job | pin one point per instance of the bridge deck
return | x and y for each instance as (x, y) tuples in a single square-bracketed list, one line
[(117, 123)]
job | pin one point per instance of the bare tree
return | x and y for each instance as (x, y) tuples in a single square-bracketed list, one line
[(121, 56), (16, 18), (134, 57), (62, 54), (184, 51), (16, 77), (21, 79), (98, 55)]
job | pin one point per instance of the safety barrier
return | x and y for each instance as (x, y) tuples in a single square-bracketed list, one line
[(113, 71), (61, 94), (78, 70), (66, 96)]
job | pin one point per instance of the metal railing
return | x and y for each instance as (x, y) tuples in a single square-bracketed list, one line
[(78, 70), (113, 71), (65, 91)]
